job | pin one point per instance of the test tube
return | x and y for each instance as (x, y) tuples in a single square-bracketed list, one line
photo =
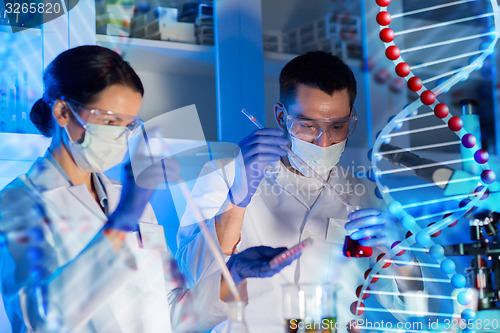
[(313, 172), (290, 253)]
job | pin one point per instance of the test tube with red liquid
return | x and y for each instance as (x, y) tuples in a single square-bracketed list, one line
[(352, 248), (290, 254)]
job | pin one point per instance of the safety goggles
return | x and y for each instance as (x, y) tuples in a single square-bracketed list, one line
[(126, 123), (309, 130)]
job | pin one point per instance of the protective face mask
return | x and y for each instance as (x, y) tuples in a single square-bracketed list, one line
[(99, 150), (320, 159)]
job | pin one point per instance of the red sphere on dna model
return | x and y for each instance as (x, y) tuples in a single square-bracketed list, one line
[(428, 97), (437, 233), (455, 124), (441, 110), (383, 3), (386, 35), (384, 18), (380, 256), (367, 273), (451, 225), (402, 69), (358, 292), (392, 52), (415, 83), (354, 308)]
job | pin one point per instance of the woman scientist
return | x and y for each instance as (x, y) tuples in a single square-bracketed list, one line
[(77, 253)]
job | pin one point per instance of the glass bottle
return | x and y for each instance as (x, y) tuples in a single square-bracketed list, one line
[(236, 323), (310, 308), (470, 119)]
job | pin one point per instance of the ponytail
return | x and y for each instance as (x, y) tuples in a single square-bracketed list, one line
[(41, 116)]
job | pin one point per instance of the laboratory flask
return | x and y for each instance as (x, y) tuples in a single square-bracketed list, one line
[(309, 308)]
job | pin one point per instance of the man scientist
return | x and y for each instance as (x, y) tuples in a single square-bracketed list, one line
[(278, 202)]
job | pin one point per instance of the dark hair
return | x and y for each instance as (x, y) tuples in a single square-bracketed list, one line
[(80, 74), (316, 69)]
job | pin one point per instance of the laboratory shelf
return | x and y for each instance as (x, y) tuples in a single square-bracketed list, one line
[(274, 62), (180, 58), (163, 56)]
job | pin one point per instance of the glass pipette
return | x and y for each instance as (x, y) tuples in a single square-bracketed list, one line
[(304, 164)]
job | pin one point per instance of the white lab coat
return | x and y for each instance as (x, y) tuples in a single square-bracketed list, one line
[(278, 216), (94, 288)]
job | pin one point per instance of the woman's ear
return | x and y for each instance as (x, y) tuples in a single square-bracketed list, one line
[(61, 111), (279, 115)]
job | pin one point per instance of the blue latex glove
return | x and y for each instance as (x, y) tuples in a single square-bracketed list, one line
[(136, 192), (381, 228), (254, 262), (257, 149)]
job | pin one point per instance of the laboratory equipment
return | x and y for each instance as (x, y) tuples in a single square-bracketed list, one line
[(191, 11), (310, 308), (352, 248), (161, 24), (483, 273), (291, 253), (236, 321), (470, 119), (113, 19)]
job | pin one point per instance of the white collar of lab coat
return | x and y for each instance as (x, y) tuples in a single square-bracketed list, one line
[(280, 177), (47, 175), (278, 174)]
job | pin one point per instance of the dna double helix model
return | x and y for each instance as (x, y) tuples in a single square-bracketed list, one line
[(434, 46)]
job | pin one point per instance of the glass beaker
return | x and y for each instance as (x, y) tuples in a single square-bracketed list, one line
[(236, 322), (352, 248), (309, 308)]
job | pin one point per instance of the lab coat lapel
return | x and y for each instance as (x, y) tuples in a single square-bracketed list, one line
[(286, 185), (82, 194), (113, 191), (45, 176), (73, 213), (48, 180), (328, 204)]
